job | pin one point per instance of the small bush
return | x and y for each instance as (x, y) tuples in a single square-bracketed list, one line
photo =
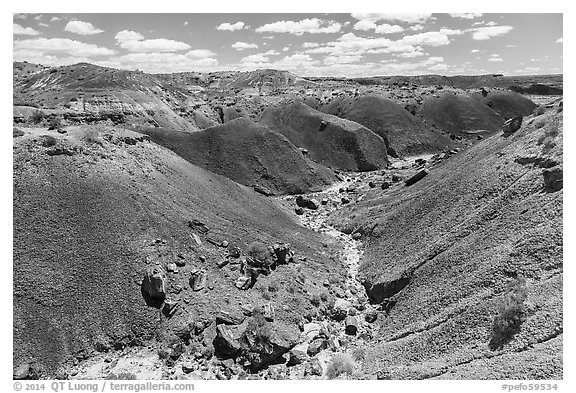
[(359, 354), (260, 253), (37, 116), (315, 300), (55, 123), (511, 314), (341, 363), (91, 136), (540, 122), (539, 110)]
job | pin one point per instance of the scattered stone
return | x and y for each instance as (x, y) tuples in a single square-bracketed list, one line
[(224, 244), (417, 177), (344, 200), (243, 282), (180, 262), (316, 346), (512, 125), (324, 201), (323, 126), (340, 309), (315, 367), (262, 190), (57, 151), (311, 330), (170, 307), (226, 343), (224, 317), (371, 316), (171, 267), (198, 226), (304, 151), (188, 367), (283, 254), (351, 325), (223, 263), (304, 202), (197, 239), (269, 313), (234, 252), (198, 280), (298, 354), (16, 132), (356, 235), (396, 178), (334, 343), (299, 211), (553, 179), (385, 185), (371, 184), (154, 284)]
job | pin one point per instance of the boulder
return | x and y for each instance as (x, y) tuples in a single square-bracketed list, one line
[(416, 178), (154, 284), (227, 341), (234, 251), (385, 185), (307, 203), (512, 125), (324, 201), (227, 318), (170, 306), (171, 267), (198, 280), (262, 190), (198, 226), (16, 132), (351, 325), (269, 312), (298, 354), (344, 200), (316, 346), (299, 211), (356, 235), (311, 330), (283, 254), (371, 316), (339, 310), (243, 282), (396, 178), (553, 179)]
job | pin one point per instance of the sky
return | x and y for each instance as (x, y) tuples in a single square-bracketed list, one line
[(351, 45)]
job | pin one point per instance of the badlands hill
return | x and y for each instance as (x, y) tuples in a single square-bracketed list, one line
[(249, 154), (331, 141), (443, 255), (97, 207)]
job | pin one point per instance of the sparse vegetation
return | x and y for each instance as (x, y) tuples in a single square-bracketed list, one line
[(548, 138), (91, 136), (511, 314), (340, 364), (37, 116), (539, 110), (540, 122), (55, 123)]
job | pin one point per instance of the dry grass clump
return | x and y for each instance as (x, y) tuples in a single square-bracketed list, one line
[(91, 136), (511, 314), (341, 364), (539, 110), (548, 138)]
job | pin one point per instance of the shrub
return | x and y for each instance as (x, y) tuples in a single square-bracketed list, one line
[(91, 136), (511, 314), (341, 363), (55, 123), (540, 123), (539, 110), (260, 253), (359, 354), (315, 300), (37, 116)]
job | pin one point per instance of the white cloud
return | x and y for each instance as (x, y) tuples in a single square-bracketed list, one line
[(560, 40), (244, 45), (135, 42), (384, 28), (416, 27), (491, 24), (43, 24), (406, 18), (52, 46), (256, 58), (19, 30), (312, 26), (55, 19), (271, 52), (475, 51), (510, 46), (310, 45), (447, 31), (285, 49), (329, 60), (186, 23), (82, 28), (161, 62), (466, 15), (231, 26), (495, 58), (409, 55), (431, 38), (364, 25), (485, 33)]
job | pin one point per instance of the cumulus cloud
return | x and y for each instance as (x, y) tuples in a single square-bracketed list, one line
[(161, 62), (231, 26), (311, 26), (447, 31), (62, 46), (19, 30), (244, 45), (487, 32), (82, 28), (310, 45), (406, 18), (135, 42), (384, 28), (430, 38), (329, 60), (467, 15)]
